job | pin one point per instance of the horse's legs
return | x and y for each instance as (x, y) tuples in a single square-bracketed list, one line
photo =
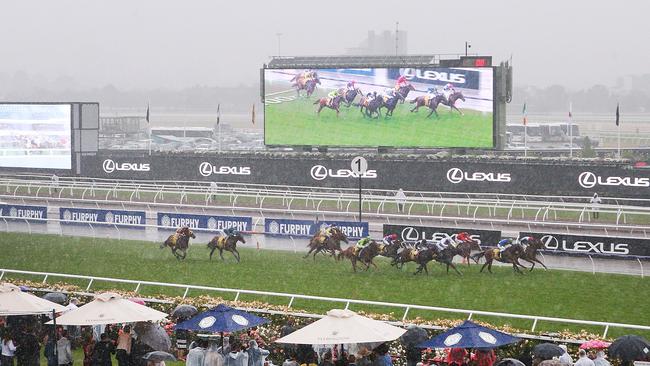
[(454, 267), (308, 253), (490, 267), (221, 254), (235, 254), (212, 251), (354, 263)]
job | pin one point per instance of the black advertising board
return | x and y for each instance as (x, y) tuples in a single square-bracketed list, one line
[(411, 233), (565, 244), (410, 175)]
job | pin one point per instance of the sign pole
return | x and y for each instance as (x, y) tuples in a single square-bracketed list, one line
[(359, 166)]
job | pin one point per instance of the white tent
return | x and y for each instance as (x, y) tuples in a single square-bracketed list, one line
[(15, 302), (109, 308), (343, 327)]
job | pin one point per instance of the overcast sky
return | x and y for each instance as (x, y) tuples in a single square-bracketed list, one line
[(136, 44)]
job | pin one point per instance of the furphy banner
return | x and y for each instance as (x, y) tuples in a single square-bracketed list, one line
[(306, 228), (411, 233), (209, 222), (128, 219), (564, 244), (22, 212)]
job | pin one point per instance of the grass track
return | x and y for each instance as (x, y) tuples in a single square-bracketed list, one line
[(577, 295), (296, 122)]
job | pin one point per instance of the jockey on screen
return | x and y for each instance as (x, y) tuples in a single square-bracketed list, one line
[(448, 90), (445, 243), (227, 232), (525, 240), (504, 244), (401, 81), (362, 244), (388, 239), (389, 93), (350, 85), (431, 93), (333, 94), (329, 229), (463, 237)]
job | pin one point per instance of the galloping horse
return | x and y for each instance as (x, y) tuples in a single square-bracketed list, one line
[(391, 103), (392, 250), (404, 91), (465, 249), (431, 103), (320, 242), (451, 101), (511, 256), (530, 253), (331, 104), (365, 255), (349, 95), (374, 106), (306, 82), (228, 243), (179, 241)]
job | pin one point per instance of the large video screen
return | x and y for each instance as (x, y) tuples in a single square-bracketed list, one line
[(35, 136), (374, 107)]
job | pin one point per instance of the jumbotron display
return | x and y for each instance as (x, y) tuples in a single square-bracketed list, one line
[(35, 136), (380, 107)]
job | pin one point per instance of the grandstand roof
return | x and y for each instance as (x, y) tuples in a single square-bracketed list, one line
[(280, 62)]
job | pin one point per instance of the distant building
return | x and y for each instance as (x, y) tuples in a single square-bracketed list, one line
[(381, 44)]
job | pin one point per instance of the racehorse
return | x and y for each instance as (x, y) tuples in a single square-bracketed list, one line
[(530, 253), (392, 250), (511, 256), (179, 241), (320, 242), (431, 103), (451, 101), (374, 106), (391, 103), (331, 104), (465, 249), (306, 82), (227, 243), (404, 90), (365, 255), (349, 95)]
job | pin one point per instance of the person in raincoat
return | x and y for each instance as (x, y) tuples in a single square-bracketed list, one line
[(256, 354)]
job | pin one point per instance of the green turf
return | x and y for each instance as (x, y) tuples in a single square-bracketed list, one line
[(567, 294), (296, 122)]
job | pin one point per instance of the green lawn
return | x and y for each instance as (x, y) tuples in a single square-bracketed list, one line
[(602, 297), (296, 122)]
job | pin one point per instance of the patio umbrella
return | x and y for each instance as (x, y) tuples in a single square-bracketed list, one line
[(184, 312), (547, 351), (509, 362), (15, 302), (158, 356), (470, 335), (414, 335), (221, 319), (109, 308), (153, 335), (57, 297), (343, 327), (595, 344), (630, 348)]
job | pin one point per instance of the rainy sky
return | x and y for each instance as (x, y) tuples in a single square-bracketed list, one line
[(136, 44)]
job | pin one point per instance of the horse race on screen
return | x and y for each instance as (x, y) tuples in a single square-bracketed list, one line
[(393, 107)]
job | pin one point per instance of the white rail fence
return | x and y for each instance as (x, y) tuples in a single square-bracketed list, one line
[(291, 298)]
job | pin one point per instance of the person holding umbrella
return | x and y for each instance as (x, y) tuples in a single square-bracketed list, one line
[(583, 360), (565, 357)]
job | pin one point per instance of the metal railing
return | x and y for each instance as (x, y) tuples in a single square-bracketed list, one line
[(139, 284)]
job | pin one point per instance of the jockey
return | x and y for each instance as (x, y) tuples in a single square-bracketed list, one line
[(401, 81), (504, 244), (389, 93), (362, 244), (329, 229), (350, 85), (388, 239), (525, 240), (181, 230), (448, 90), (462, 237), (445, 243), (333, 94), (431, 93)]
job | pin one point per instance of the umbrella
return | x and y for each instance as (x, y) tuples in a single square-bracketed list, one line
[(137, 300), (57, 297), (109, 308), (595, 344), (158, 356), (630, 348), (15, 302), (221, 319), (509, 362), (547, 351), (343, 327), (414, 335), (470, 335), (153, 335), (184, 312)]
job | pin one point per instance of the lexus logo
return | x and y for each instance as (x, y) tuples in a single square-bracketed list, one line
[(410, 234), (318, 172), (108, 166), (456, 175), (587, 179), (550, 242), (206, 169)]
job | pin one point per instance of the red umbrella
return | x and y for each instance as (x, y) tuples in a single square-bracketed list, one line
[(137, 300), (595, 344)]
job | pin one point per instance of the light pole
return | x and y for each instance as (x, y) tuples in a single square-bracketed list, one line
[(279, 35), (467, 47)]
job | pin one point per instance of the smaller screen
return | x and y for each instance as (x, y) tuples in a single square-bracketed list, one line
[(35, 136)]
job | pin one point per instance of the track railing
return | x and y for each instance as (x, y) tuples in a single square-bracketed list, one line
[(348, 303)]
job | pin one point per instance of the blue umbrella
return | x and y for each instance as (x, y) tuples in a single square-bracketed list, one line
[(221, 319), (469, 335)]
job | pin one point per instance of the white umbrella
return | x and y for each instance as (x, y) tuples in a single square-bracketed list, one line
[(343, 327), (15, 302), (109, 308)]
